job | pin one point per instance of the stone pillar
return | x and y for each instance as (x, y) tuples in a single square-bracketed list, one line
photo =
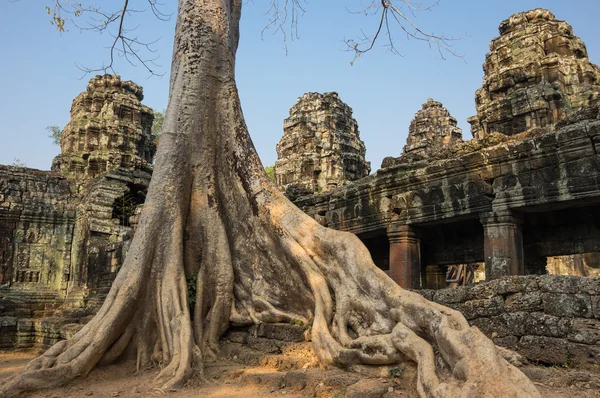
[(502, 244), (435, 277), (405, 255)]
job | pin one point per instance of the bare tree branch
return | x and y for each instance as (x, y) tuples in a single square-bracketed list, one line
[(114, 22), (397, 11)]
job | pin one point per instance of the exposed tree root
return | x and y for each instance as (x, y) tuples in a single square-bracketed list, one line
[(212, 211)]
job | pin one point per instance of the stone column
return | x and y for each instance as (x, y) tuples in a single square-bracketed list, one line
[(405, 255), (502, 244), (435, 277)]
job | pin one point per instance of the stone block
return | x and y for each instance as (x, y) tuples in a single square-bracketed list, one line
[(590, 285), (596, 306), (367, 388), (560, 284), (523, 302), (481, 308), (262, 344), (492, 327), (567, 305), (451, 296), (25, 325), (67, 331), (582, 355), (585, 331), (238, 336), (8, 321), (281, 331), (541, 324), (506, 341), (547, 350)]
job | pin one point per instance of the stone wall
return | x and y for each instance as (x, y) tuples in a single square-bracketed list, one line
[(64, 233), (320, 148), (37, 218), (552, 320)]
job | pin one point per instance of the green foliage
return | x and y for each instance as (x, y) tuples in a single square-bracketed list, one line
[(270, 170), (396, 372), (55, 134), (18, 163), (297, 322), (191, 288), (123, 208), (157, 125)]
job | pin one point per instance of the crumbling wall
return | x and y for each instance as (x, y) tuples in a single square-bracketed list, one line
[(64, 233), (37, 217), (549, 319)]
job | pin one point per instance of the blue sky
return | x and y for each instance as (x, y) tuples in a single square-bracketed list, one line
[(39, 75)]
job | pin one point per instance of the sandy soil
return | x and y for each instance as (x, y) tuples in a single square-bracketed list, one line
[(225, 378)]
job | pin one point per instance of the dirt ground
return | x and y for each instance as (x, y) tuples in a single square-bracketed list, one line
[(226, 378)]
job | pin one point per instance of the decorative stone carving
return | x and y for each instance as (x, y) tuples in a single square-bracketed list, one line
[(64, 233), (432, 129), (536, 73), (109, 128), (321, 147)]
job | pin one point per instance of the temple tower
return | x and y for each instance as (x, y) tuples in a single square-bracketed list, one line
[(432, 129), (536, 73), (321, 147), (109, 128)]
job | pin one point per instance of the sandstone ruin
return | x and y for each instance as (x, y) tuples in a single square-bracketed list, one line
[(321, 148), (432, 130), (109, 129), (536, 73), (512, 199), (64, 233)]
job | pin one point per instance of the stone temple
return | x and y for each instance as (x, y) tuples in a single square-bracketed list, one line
[(522, 198), (432, 130), (321, 148), (64, 233), (109, 128), (536, 73)]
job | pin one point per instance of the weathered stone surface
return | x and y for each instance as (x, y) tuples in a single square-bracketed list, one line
[(523, 302), (522, 314), (64, 233), (368, 388), (279, 331), (109, 128), (544, 349), (570, 305), (561, 284), (320, 148), (536, 73), (432, 130), (586, 331), (481, 308), (596, 306)]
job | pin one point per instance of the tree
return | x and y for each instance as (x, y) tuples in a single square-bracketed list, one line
[(270, 170), (55, 134), (157, 124), (18, 163), (211, 211)]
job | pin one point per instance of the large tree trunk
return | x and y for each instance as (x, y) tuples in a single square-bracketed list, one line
[(211, 210)]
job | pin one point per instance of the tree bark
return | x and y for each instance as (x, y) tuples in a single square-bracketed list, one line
[(212, 211)]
